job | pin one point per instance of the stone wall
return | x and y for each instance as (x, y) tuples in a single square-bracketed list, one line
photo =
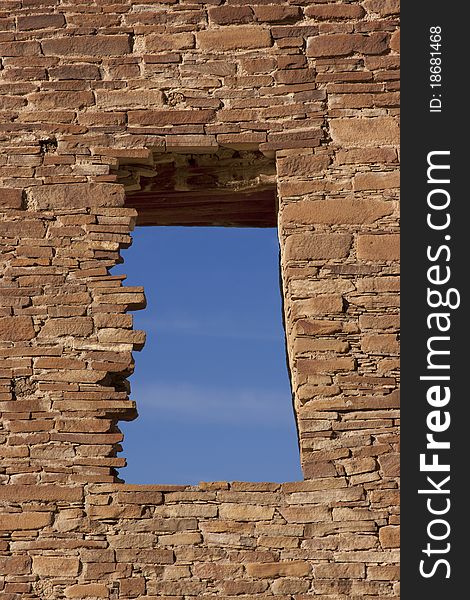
[(89, 87)]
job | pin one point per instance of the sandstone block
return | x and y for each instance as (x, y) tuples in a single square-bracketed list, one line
[(342, 44), (389, 536), (16, 329), (383, 573), (336, 212), (87, 590), (41, 493), (395, 41), (87, 45), (340, 571), (229, 15), (384, 343), (241, 37), (44, 21), (216, 570), (11, 198), (295, 568), (24, 521), (76, 195), (246, 512), (378, 247), (306, 514), (128, 98), (318, 327), (275, 14), (371, 131), (377, 181), (15, 565), (169, 41), (302, 165), (160, 118), (79, 71), (76, 326), (54, 565), (390, 464), (23, 229), (325, 365), (385, 8), (20, 49), (325, 304), (332, 12), (288, 585), (315, 246)]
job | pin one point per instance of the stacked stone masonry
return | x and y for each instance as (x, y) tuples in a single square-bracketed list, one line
[(92, 90)]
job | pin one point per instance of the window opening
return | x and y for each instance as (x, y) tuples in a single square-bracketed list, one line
[(211, 384)]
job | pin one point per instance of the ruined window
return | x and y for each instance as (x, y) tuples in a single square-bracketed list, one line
[(211, 385)]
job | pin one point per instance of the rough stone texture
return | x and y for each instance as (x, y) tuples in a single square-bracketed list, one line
[(95, 99)]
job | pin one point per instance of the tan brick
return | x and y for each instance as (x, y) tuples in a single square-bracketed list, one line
[(287, 585), (23, 229), (340, 571), (325, 365), (390, 465), (371, 131), (24, 521), (241, 37), (366, 155), (42, 493), (169, 41), (15, 565), (59, 363), (383, 573), (216, 570), (11, 198), (384, 8), (16, 329), (180, 539), (54, 565), (243, 586), (246, 512), (76, 195), (229, 15), (275, 14), (384, 343), (315, 246), (326, 304), (297, 568), (336, 212), (335, 11), (44, 21), (389, 536), (378, 247), (80, 71), (395, 41), (370, 321), (87, 45), (128, 98), (302, 165), (342, 44), (87, 590), (318, 327), (160, 118), (306, 514), (377, 181), (20, 49), (378, 284), (76, 326)]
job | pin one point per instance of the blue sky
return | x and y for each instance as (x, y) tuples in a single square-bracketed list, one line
[(211, 384)]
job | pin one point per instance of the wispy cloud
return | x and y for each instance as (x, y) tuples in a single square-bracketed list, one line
[(213, 405)]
